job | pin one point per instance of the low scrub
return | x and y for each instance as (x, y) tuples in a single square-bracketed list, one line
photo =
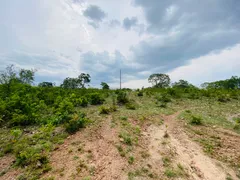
[(196, 120), (122, 97), (78, 121), (130, 105), (95, 99)]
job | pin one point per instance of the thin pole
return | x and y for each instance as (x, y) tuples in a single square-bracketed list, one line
[(120, 79)]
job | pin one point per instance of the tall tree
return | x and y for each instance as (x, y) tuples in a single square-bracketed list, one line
[(159, 80), (46, 84), (79, 82), (26, 76), (182, 84), (84, 79), (7, 78), (104, 85)]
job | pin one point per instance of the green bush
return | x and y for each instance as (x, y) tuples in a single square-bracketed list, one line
[(163, 105), (223, 98), (83, 101), (164, 98), (66, 106), (236, 126), (107, 110), (196, 120), (122, 97), (104, 110), (130, 105), (95, 99), (140, 93), (78, 121)]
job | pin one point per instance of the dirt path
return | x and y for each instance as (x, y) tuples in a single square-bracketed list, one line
[(89, 153), (171, 141), (168, 150)]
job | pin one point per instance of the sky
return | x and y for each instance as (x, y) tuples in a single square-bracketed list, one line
[(198, 41)]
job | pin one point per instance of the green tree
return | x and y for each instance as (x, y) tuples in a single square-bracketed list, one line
[(182, 84), (7, 79), (70, 83), (232, 83), (159, 80), (26, 76), (74, 83), (84, 79), (104, 85), (45, 84)]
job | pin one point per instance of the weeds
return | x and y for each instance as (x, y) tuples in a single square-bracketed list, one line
[(196, 120), (130, 159)]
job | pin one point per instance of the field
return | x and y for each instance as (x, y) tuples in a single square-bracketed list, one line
[(152, 133)]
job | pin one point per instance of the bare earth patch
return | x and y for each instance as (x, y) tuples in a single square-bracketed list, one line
[(8, 173), (163, 152), (170, 144), (89, 153)]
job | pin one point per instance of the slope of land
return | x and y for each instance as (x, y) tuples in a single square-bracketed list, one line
[(181, 139)]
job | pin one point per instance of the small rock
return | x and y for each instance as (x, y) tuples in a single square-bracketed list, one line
[(121, 139), (39, 164)]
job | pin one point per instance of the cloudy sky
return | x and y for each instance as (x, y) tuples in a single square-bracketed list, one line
[(188, 39)]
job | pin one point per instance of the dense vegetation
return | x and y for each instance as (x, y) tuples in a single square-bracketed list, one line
[(33, 115)]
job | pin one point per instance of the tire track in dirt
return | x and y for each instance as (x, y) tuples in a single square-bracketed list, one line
[(186, 152)]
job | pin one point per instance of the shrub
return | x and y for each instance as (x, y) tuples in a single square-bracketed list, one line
[(113, 108), (130, 159), (95, 99), (31, 155), (104, 110), (163, 105), (82, 101), (223, 98), (237, 120), (78, 121), (196, 120), (130, 105), (164, 98), (65, 106), (139, 93), (20, 119), (107, 110), (124, 118), (126, 138), (122, 97), (236, 126)]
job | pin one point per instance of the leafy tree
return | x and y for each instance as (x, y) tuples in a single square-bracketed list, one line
[(70, 83), (45, 84), (74, 83), (182, 84), (84, 79), (159, 80), (10, 76), (26, 76), (232, 83), (104, 85)]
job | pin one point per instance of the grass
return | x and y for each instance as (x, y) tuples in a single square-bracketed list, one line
[(130, 159)]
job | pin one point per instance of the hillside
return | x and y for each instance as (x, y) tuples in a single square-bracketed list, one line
[(153, 133)]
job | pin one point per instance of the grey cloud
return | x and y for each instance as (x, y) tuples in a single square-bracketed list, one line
[(114, 23), (105, 67), (94, 13), (94, 25), (129, 23), (183, 30)]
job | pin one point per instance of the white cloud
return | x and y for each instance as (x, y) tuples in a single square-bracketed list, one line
[(214, 66)]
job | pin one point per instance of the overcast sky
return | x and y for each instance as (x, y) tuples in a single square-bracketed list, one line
[(194, 40)]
